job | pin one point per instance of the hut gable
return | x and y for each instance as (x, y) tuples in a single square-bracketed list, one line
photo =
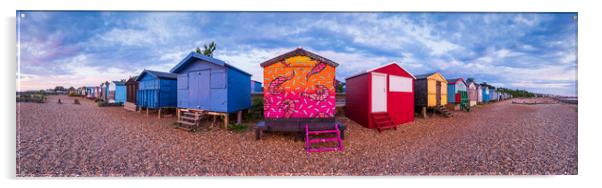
[(299, 84), (211, 84), (299, 52)]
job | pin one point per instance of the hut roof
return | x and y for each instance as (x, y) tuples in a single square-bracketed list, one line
[(487, 85), (297, 52), (453, 81), (131, 80), (119, 82), (192, 56), (160, 75), (423, 76), (373, 69)]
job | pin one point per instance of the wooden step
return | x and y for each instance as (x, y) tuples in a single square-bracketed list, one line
[(186, 123), (382, 118), (188, 118), (322, 132), (321, 140), (322, 149), (189, 114)]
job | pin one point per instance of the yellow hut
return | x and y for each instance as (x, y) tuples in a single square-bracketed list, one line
[(430, 91)]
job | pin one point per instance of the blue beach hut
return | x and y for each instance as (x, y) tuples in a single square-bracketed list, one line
[(156, 90), (492, 94), (256, 87), (486, 92), (118, 87), (210, 84)]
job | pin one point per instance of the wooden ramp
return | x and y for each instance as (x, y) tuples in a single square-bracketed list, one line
[(443, 111)]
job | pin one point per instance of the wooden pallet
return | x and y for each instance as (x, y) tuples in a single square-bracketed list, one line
[(129, 106)]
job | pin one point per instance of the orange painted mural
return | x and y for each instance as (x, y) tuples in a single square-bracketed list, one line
[(299, 87)]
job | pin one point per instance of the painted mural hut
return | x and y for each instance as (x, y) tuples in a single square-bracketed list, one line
[(299, 96), (156, 91), (430, 92), (381, 98), (209, 86), (457, 94)]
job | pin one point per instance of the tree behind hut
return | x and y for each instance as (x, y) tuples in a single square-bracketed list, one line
[(207, 49)]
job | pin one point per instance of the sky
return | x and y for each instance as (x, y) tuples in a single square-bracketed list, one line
[(532, 51)]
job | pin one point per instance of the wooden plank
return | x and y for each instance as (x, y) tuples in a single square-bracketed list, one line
[(226, 121)]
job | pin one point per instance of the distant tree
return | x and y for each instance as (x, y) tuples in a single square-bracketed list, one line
[(59, 88), (208, 49), (71, 88)]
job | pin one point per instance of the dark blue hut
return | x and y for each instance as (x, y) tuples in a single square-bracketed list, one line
[(209, 84), (156, 90), (256, 87)]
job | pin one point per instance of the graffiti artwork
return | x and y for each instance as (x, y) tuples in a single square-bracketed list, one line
[(299, 87)]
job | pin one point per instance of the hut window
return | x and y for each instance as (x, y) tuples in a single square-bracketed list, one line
[(218, 79), (400, 84), (183, 81)]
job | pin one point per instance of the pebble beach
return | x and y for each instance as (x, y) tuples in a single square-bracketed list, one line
[(500, 138)]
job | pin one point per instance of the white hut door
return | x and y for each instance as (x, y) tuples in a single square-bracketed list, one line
[(379, 92)]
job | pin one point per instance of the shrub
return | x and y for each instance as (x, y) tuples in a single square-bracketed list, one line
[(100, 103), (32, 97), (256, 110), (238, 128)]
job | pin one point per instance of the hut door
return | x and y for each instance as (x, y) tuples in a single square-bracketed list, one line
[(198, 93), (379, 92), (438, 95)]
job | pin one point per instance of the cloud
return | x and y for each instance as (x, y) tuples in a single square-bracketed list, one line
[(509, 49)]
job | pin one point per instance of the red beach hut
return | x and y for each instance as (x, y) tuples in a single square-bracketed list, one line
[(380, 98)]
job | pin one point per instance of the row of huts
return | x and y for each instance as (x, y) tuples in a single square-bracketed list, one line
[(298, 85)]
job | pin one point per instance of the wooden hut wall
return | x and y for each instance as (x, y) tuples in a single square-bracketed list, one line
[(432, 90), (131, 90)]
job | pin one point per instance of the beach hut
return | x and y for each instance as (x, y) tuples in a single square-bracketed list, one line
[(104, 91), (430, 92), (131, 90), (492, 94), (485, 92), (380, 98), (212, 85), (156, 90), (87, 91), (299, 96), (472, 92), (479, 93), (256, 87), (117, 92), (457, 94)]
